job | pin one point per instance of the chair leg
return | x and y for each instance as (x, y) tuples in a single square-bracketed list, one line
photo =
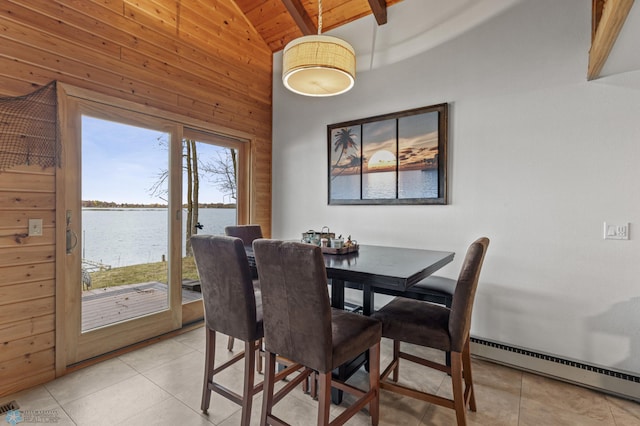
[(230, 343), (247, 392), (468, 376), (313, 386), (396, 358), (306, 384), (208, 368), (374, 383), (267, 392), (458, 389), (324, 398), (259, 357)]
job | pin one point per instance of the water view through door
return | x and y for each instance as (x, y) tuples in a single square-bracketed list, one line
[(124, 241), (125, 235), (209, 193)]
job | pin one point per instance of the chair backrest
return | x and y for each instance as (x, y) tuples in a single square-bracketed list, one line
[(295, 302), (227, 289), (465, 293), (247, 233)]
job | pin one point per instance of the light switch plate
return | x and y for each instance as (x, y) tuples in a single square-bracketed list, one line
[(35, 227), (616, 231)]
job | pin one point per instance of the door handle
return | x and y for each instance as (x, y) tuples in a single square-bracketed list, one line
[(72, 237)]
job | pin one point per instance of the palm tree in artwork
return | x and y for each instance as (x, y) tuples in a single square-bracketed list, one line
[(344, 141)]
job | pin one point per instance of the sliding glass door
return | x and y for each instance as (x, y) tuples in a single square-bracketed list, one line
[(118, 231), (134, 189), (213, 170)]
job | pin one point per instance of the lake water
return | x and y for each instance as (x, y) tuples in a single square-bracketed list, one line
[(122, 237), (411, 184)]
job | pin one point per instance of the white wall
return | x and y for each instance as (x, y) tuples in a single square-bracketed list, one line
[(539, 159)]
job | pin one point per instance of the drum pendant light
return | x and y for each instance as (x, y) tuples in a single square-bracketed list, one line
[(318, 65)]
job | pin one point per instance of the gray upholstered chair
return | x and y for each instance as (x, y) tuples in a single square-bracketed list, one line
[(232, 306), (434, 289), (247, 233), (300, 325), (435, 326)]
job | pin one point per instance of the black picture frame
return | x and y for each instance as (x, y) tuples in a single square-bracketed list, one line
[(395, 159)]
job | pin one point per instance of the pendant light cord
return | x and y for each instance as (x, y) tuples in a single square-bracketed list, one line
[(319, 17)]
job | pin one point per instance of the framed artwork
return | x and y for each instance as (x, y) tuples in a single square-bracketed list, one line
[(398, 158)]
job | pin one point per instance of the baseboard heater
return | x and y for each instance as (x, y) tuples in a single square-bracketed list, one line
[(613, 382)]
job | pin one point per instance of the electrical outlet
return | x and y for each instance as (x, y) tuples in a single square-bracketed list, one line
[(616, 232), (35, 227)]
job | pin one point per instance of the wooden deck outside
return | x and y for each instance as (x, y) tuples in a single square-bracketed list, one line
[(109, 305)]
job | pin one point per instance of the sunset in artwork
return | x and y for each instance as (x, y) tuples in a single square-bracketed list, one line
[(382, 160), (416, 147)]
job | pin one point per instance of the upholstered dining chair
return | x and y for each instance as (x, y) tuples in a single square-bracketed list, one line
[(247, 233), (232, 306), (301, 325), (440, 327), (434, 289)]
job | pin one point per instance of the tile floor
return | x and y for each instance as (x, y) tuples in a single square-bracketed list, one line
[(161, 385)]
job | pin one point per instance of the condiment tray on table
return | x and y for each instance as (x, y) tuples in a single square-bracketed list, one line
[(344, 250)]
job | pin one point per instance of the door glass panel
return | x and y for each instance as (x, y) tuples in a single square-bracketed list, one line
[(209, 200), (124, 239)]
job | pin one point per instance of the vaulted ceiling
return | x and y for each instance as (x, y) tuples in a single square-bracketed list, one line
[(280, 21)]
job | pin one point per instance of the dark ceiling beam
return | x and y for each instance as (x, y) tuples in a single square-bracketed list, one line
[(379, 9), (612, 13), (300, 16)]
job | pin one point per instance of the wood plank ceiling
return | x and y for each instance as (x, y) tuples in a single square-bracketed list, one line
[(280, 21)]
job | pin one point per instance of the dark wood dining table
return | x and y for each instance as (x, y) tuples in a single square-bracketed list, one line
[(371, 267)]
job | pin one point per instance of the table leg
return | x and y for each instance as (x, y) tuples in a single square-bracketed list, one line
[(367, 300), (337, 293), (336, 396)]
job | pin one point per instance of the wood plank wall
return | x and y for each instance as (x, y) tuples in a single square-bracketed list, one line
[(198, 58), (27, 273)]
